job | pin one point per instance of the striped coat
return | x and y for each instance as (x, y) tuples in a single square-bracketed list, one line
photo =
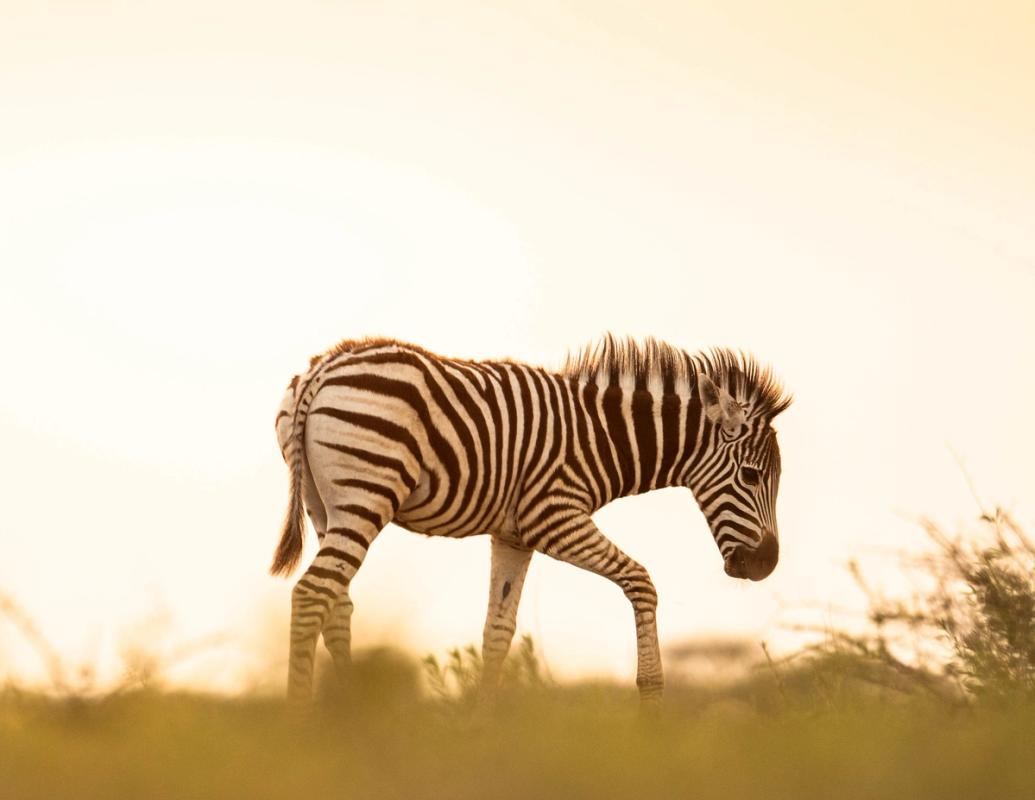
[(379, 431)]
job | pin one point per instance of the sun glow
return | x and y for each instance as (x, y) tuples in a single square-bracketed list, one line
[(194, 200)]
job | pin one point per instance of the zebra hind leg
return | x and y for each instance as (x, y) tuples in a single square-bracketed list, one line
[(509, 566), (320, 600), (337, 635)]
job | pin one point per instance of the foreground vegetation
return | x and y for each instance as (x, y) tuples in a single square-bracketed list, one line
[(761, 741), (935, 700)]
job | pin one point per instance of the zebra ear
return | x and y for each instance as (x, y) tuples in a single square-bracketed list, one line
[(719, 406)]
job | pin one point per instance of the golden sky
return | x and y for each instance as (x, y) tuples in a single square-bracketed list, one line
[(195, 197)]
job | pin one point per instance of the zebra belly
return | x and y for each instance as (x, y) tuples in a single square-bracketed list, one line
[(413, 514)]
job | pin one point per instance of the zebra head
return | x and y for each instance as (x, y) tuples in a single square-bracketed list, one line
[(736, 479)]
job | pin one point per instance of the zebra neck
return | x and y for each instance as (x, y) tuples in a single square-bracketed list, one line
[(642, 440)]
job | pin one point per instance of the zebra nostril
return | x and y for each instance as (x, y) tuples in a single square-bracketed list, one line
[(734, 564), (753, 564), (764, 557)]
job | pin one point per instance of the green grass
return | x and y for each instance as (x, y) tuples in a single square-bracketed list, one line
[(851, 718), (817, 732)]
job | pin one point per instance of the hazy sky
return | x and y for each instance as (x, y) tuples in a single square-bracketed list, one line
[(196, 197)]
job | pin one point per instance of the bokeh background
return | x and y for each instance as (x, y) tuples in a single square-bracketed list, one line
[(197, 196)]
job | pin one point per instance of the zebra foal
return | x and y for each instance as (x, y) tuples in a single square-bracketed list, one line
[(379, 431)]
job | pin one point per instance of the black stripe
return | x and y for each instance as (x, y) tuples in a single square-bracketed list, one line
[(477, 476), (670, 407), (333, 552), (571, 493), (646, 436), (507, 388), (351, 534), (524, 399), (720, 485), (697, 427), (315, 588), (458, 480), (443, 450), (553, 514), (548, 543), (376, 459), (614, 480), (363, 513), (732, 508), (380, 426), (553, 418), (595, 478), (330, 574), (498, 453), (619, 435), (372, 488), (752, 534), (537, 399), (586, 542)]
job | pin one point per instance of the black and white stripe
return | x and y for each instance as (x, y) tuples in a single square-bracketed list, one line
[(379, 431)]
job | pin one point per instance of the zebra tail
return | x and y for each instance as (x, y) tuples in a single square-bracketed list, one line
[(292, 536)]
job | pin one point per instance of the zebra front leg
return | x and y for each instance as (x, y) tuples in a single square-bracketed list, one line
[(574, 538), (509, 566)]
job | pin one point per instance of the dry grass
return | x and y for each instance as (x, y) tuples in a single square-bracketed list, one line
[(821, 734), (915, 708)]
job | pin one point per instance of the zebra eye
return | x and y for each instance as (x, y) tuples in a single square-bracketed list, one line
[(749, 475)]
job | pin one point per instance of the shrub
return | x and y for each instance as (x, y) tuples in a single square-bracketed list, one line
[(969, 630)]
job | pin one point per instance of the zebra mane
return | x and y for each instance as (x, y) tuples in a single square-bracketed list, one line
[(617, 359), (653, 360)]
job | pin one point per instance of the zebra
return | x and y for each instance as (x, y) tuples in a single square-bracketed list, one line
[(380, 431)]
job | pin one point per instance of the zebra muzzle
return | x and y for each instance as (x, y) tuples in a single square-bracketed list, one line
[(754, 563)]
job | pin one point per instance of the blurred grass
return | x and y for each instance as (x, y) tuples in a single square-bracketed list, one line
[(793, 740), (935, 700)]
